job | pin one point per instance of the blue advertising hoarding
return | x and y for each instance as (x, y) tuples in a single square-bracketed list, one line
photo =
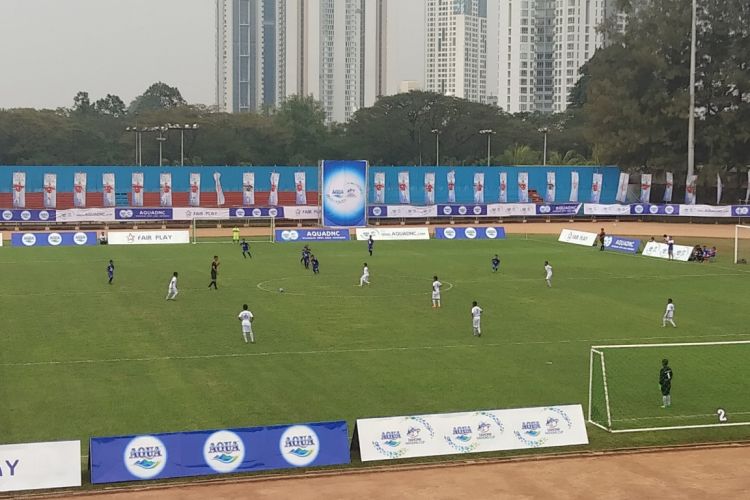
[(20, 215), (54, 239), (461, 210), (621, 244), (138, 213), (648, 209), (199, 453), (292, 235), (250, 212), (470, 233), (740, 210), (563, 209), (344, 193)]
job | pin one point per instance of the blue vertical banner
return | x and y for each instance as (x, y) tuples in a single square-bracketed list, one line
[(344, 193)]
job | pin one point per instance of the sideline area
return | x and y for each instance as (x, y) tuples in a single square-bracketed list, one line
[(716, 472)]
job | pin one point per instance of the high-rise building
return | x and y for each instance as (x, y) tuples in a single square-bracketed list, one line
[(542, 45), (334, 50), (456, 48)]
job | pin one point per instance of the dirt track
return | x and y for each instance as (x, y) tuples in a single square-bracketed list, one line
[(687, 473)]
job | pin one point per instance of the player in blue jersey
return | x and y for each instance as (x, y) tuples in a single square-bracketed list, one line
[(495, 263), (315, 264), (305, 260), (111, 271), (245, 249), (370, 244)]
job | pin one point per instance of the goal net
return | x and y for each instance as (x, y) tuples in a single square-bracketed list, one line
[(252, 229), (741, 244), (709, 386)]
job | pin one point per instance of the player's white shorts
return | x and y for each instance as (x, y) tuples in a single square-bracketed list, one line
[(668, 315), (549, 277), (172, 289), (247, 328), (476, 322), (435, 295)]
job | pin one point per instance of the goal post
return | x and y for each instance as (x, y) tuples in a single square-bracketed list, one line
[(708, 389), (252, 229), (741, 243)]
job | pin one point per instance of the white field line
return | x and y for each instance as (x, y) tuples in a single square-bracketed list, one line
[(669, 417), (339, 351)]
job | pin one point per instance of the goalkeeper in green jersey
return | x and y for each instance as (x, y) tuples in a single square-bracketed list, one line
[(665, 383)]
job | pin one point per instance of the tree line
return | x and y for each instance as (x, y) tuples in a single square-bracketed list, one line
[(629, 108)]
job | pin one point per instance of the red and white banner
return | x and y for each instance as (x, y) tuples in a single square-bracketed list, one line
[(379, 187), (503, 196), (549, 196), (429, 188), (622, 188), (690, 189), (596, 188), (747, 192), (136, 186), (248, 189), (645, 188), (19, 189), (108, 189), (478, 187), (523, 187), (299, 188), (79, 190), (50, 190), (452, 186), (403, 188), (718, 188), (273, 195), (219, 192), (669, 184), (194, 198), (165, 189), (574, 187)]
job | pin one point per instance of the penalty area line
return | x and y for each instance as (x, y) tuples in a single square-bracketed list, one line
[(338, 351)]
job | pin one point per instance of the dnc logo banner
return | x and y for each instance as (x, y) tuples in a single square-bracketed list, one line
[(344, 193)]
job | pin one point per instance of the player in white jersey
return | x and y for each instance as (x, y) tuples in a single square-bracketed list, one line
[(172, 292), (668, 314), (548, 274), (365, 278), (436, 291), (476, 319), (246, 318)]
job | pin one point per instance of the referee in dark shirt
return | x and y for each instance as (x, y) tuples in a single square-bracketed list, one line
[(214, 272), (665, 383)]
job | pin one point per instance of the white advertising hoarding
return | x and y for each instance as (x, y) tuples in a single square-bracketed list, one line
[(661, 251), (599, 209), (470, 432), (396, 233), (577, 237), (147, 237), (199, 213), (34, 466), (511, 209)]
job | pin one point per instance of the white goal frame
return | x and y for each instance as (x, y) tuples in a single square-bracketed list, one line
[(737, 228), (228, 224), (598, 350)]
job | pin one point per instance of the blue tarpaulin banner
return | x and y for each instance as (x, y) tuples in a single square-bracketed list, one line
[(621, 244), (17, 215), (291, 235), (470, 233), (198, 453), (53, 239), (344, 193)]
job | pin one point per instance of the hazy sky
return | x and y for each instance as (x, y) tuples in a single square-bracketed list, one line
[(51, 49)]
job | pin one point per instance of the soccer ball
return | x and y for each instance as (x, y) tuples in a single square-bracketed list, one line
[(281, 290)]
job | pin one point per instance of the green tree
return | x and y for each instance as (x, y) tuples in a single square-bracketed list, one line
[(158, 96), (110, 105), (82, 103), (302, 120)]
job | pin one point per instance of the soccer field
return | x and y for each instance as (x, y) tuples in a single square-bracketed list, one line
[(81, 358)]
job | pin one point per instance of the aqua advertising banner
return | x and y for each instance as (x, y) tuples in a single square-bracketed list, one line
[(344, 193), (198, 453)]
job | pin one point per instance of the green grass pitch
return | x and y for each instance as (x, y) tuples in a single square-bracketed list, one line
[(81, 358)]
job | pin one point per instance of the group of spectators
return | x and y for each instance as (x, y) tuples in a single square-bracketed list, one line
[(701, 253)]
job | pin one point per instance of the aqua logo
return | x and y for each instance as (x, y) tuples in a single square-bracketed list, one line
[(477, 210), (470, 233), (462, 433), (377, 211), (449, 233), (462, 210), (299, 445), (145, 457), (532, 428), (25, 215), (224, 451), (491, 233), (447, 210), (391, 439)]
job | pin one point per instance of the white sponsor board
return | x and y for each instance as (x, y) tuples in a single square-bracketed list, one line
[(147, 237), (470, 432), (302, 212), (34, 466), (396, 233), (86, 215), (661, 251), (577, 237), (411, 211), (598, 209), (1, 239), (199, 213), (705, 211), (511, 209)]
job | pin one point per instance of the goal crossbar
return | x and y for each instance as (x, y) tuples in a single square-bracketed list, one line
[(673, 344)]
